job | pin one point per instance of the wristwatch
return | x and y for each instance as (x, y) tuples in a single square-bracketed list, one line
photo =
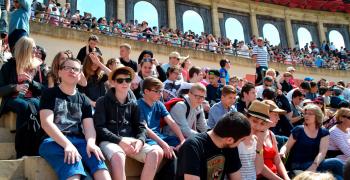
[(260, 152)]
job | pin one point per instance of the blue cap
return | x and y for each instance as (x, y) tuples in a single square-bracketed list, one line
[(308, 79)]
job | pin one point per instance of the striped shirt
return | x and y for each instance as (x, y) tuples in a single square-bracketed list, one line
[(247, 156), (261, 55), (339, 140)]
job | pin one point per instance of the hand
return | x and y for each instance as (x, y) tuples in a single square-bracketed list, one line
[(92, 148), (127, 146), (168, 151), (71, 154), (93, 103), (155, 62), (22, 88), (177, 148), (138, 144), (25, 77), (94, 59), (312, 168), (257, 65)]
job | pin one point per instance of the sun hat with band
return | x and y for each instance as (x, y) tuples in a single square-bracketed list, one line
[(119, 68), (274, 107), (259, 110)]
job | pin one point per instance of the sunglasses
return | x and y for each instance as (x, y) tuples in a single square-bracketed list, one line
[(69, 69), (347, 117), (121, 80)]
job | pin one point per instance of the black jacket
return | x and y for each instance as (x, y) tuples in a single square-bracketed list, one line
[(8, 83), (114, 120), (82, 53)]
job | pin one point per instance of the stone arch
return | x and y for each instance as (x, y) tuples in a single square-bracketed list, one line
[(192, 21), (337, 38), (243, 18), (271, 33), (304, 36), (203, 11), (151, 17), (234, 29), (160, 6), (92, 6), (342, 29), (279, 25), (310, 26)]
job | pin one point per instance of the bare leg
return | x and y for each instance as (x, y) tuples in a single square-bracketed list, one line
[(150, 166), (75, 177), (102, 174), (118, 166)]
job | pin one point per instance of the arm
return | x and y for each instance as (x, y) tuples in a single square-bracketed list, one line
[(7, 5), (321, 154), (191, 177), (201, 123), (139, 125), (341, 142), (259, 158), (278, 162), (174, 127), (235, 176), (288, 146), (97, 61), (25, 4), (168, 151), (90, 136), (178, 114), (82, 82)]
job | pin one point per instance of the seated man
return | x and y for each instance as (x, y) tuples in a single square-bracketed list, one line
[(214, 88), (214, 154), (195, 121), (120, 129), (152, 110), (228, 99), (65, 114), (248, 95)]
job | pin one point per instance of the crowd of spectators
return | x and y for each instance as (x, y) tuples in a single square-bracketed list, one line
[(310, 55), (187, 121)]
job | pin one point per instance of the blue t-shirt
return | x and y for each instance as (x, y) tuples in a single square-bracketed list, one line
[(153, 114), (224, 74), (305, 148)]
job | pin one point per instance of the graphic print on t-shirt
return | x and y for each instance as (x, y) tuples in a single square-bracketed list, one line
[(67, 115), (215, 167)]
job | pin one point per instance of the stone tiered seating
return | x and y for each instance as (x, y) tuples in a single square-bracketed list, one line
[(34, 168)]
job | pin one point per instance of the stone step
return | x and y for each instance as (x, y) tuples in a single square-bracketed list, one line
[(36, 168), (7, 151), (6, 136), (8, 121), (12, 169)]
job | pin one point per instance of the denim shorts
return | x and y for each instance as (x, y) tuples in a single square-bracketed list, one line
[(53, 153)]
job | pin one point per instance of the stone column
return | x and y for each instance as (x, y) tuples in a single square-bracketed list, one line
[(289, 31), (171, 14), (321, 30), (215, 19), (254, 23), (121, 10)]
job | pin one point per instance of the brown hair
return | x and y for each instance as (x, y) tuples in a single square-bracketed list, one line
[(55, 66), (173, 69), (94, 38), (194, 69), (227, 90), (319, 116), (87, 68), (125, 45), (198, 87), (151, 82)]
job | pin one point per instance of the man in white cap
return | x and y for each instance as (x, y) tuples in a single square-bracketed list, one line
[(174, 59)]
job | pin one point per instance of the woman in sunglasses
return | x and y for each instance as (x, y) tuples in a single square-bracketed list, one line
[(96, 74), (339, 140)]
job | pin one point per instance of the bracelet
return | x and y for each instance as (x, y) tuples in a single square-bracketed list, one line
[(261, 152)]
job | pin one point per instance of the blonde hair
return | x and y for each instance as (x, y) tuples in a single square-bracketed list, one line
[(308, 175), (319, 116), (341, 112), (23, 54), (198, 87), (270, 70)]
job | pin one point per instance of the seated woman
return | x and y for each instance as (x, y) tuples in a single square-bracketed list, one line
[(52, 76), (18, 88), (96, 74), (308, 145), (146, 71), (273, 166), (339, 140)]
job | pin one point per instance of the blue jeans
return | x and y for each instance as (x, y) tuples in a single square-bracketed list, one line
[(54, 154), (3, 22), (334, 165)]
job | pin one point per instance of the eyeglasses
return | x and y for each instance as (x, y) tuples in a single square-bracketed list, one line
[(69, 68), (157, 91), (347, 117), (121, 80), (198, 97)]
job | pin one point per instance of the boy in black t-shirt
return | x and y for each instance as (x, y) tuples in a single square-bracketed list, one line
[(66, 117), (214, 154)]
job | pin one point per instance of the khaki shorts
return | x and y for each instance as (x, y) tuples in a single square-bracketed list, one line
[(109, 149)]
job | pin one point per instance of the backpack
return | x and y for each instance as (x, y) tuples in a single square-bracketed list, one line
[(169, 104), (29, 134)]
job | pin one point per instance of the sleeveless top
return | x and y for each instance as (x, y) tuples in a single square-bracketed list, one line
[(247, 156), (269, 155)]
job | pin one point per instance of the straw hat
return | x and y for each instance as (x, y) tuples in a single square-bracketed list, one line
[(120, 67), (274, 107), (260, 110)]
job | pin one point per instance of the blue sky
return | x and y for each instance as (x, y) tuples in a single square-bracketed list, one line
[(145, 11)]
